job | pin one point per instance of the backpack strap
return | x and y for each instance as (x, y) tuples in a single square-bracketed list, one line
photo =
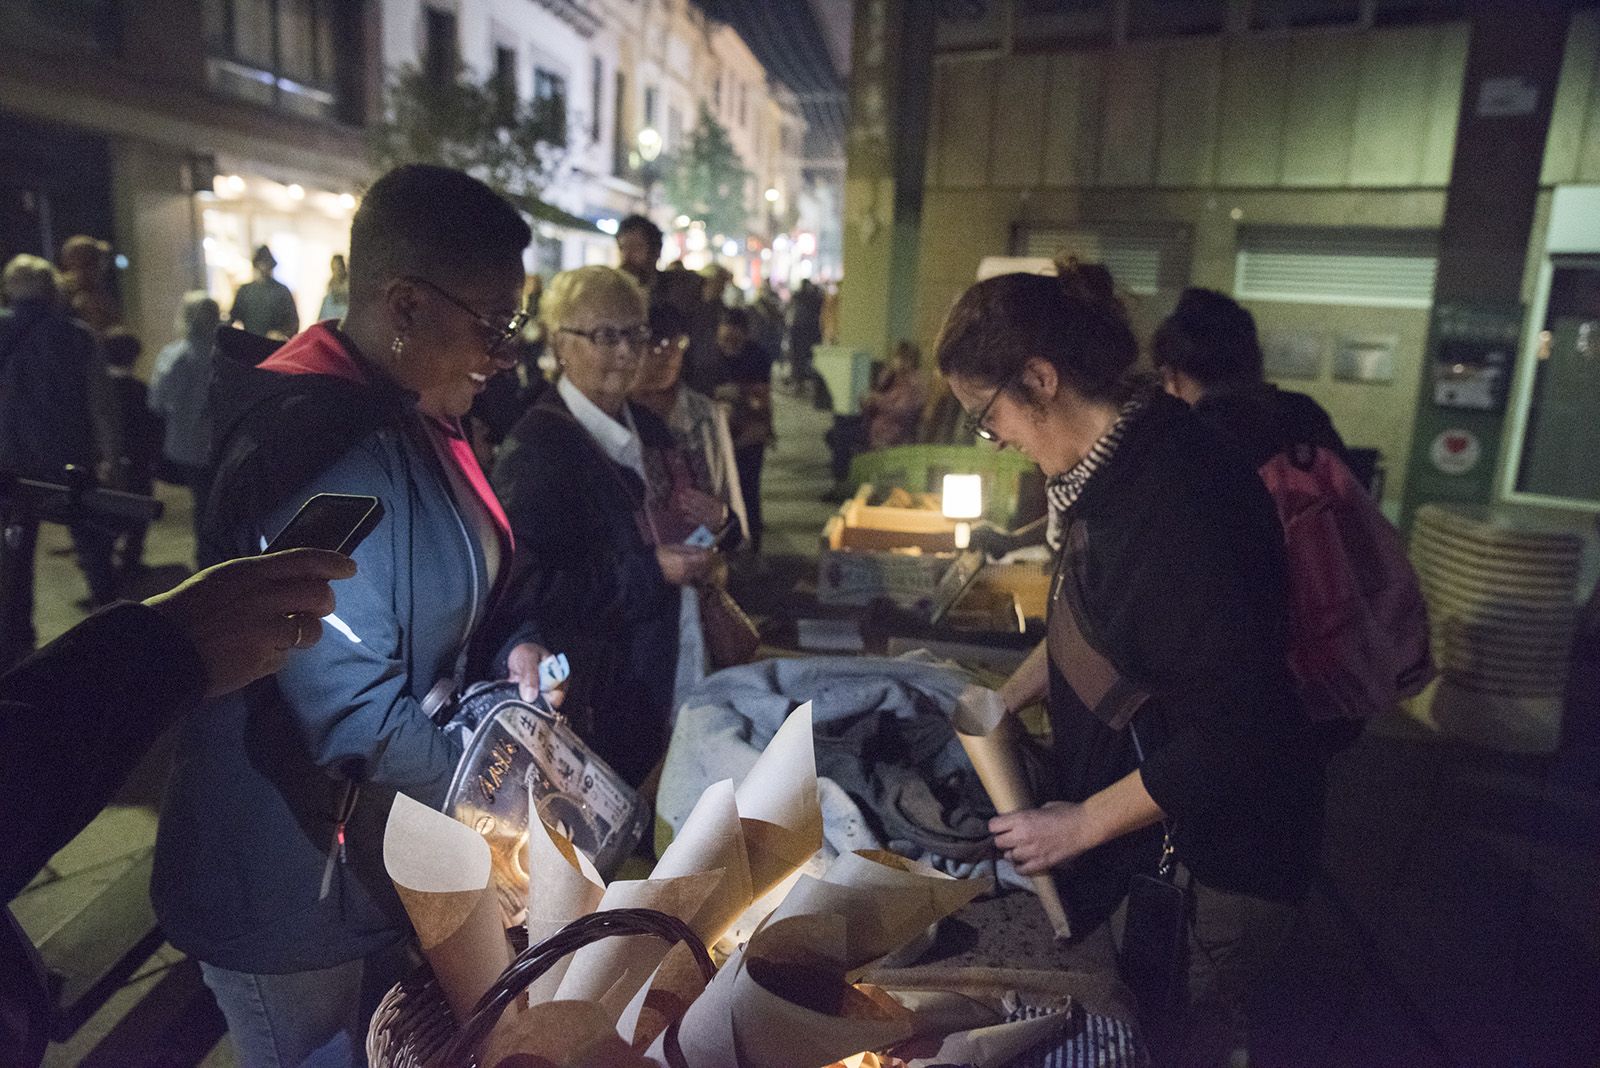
[(1108, 694)]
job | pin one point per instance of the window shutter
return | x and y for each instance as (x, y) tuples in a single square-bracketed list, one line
[(1142, 259), (1337, 265)]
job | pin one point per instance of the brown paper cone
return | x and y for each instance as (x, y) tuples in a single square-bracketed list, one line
[(609, 972), (440, 869), (782, 1002), (562, 886), (663, 1000), (778, 804), (559, 1034), (712, 839), (978, 719), (885, 901)]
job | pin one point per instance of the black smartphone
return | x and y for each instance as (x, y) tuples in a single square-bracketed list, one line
[(336, 521)]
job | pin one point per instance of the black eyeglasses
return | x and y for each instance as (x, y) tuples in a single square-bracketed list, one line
[(975, 424), (609, 337), (499, 334)]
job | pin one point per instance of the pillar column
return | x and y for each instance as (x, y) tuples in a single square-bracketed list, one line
[(886, 149), (1508, 89)]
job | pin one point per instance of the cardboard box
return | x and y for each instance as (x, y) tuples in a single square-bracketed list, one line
[(873, 551)]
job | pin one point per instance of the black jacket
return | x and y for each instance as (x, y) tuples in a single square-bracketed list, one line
[(1262, 420), (75, 719), (54, 399), (1185, 592), (585, 581)]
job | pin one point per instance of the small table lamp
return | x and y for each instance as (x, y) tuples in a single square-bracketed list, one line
[(962, 500)]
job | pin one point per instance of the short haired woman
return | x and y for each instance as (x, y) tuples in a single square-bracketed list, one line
[(269, 858), (1171, 571), (698, 423), (602, 571)]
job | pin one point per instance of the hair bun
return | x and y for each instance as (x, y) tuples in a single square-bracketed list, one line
[(1090, 283)]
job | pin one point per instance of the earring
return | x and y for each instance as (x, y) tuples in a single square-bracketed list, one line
[(399, 346)]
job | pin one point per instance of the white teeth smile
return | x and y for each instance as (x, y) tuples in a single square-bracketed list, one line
[(478, 378)]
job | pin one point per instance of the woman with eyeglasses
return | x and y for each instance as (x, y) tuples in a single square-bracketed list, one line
[(698, 423), (269, 858), (1164, 673), (601, 507)]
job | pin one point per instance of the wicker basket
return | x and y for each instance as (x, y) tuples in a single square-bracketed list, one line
[(414, 1028)]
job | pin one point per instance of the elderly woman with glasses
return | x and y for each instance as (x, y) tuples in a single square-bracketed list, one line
[(269, 859), (601, 508)]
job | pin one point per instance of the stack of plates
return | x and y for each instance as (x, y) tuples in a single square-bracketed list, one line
[(1501, 601)]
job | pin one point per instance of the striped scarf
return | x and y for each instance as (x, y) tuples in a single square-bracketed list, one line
[(1064, 489)]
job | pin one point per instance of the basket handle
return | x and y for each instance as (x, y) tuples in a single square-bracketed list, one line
[(534, 961)]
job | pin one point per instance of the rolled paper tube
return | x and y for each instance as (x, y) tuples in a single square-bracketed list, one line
[(441, 870), (979, 720)]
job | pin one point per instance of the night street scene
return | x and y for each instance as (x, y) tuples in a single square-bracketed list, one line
[(800, 533)]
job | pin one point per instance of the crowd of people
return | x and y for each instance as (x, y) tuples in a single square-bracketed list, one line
[(564, 467)]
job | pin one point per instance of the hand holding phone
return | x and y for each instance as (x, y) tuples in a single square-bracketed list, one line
[(334, 521)]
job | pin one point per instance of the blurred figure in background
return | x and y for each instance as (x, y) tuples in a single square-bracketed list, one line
[(747, 376), (139, 431), (54, 411), (337, 301), (639, 244), (699, 423), (894, 405), (86, 282), (180, 389), (703, 370), (766, 316), (805, 331), (265, 306), (1209, 356)]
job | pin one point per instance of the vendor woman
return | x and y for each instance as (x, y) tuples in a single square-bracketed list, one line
[(1171, 581)]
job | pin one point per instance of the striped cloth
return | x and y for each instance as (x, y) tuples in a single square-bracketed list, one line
[(1104, 1042), (1064, 489)]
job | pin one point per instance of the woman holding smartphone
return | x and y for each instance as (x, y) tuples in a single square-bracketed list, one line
[(1171, 588), (269, 866)]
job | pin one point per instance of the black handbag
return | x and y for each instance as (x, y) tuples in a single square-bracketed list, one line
[(1154, 957)]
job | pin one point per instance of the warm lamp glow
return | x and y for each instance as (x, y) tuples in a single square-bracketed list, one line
[(962, 497)]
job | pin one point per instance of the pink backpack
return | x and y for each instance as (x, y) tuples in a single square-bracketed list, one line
[(1358, 626)]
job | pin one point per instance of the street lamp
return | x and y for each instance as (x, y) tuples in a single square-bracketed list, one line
[(649, 146)]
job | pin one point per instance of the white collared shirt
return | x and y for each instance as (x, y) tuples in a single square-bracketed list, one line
[(620, 441)]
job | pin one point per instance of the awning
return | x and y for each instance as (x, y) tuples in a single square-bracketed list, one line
[(551, 214)]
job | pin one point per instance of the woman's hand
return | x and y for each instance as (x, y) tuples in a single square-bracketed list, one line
[(1038, 839), (522, 668), (683, 565)]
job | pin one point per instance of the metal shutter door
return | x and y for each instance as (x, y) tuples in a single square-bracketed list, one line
[(1337, 265)]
